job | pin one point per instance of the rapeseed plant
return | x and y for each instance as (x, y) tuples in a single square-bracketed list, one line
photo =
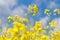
[(36, 32)]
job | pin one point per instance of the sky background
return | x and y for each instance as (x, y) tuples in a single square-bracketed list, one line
[(20, 7)]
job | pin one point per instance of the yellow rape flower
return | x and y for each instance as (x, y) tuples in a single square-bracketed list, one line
[(32, 29), (52, 23), (56, 10), (38, 29), (23, 20), (30, 8), (33, 14), (1, 37), (55, 35), (52, 38), (38, 23), (43, 31), (38, 26), (19, 26), (23, 29), (31, 35), (17, 23), (24, 37), (16, 18), (57, 38), (45, 27), (37, 38), (36, 33), (10, 19), (9, 35), (58, 32), (10, 30), (35, 8), (15, 28), (15, 38), (47, 12), (51, 31), (44, 37)]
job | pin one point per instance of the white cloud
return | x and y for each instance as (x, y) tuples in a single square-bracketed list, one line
[(6, 11), (5, 8), (2, 2), (19, 10), (8, 2), (51, 5), (11, 2), (39, 2), (44, 21)]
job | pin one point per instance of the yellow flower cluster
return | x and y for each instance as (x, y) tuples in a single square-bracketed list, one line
[(16, 18), (55, 35), (47, 11), (19, 31), (57, 10), (52, 24), (33, 9)]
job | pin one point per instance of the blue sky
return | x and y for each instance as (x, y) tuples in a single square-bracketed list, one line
[(20, 7)]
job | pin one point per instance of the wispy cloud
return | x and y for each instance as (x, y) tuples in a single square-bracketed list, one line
[(20, 10), (38, 2), (5, 9), (44, 21), (52, 4), (8, 2)]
